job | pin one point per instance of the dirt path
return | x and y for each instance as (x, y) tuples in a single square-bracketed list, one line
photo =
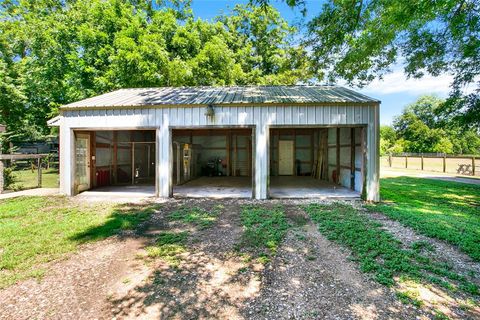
[(75, 288), (310, 278)]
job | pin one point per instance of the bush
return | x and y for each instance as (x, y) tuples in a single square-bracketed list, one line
[(8, 177)]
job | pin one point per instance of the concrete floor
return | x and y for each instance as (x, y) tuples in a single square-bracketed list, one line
[(127, 193), (308, 187), (280, 187), (215, 187)]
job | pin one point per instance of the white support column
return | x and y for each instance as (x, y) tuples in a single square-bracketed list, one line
[(67, 160), (164, 152), (261, 160), (373, 154)]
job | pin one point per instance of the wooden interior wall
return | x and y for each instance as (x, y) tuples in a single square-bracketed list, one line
[(311, 148), (231, 148)]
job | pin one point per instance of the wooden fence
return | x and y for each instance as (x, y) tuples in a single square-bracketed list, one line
[(464, 165), (15, 157)]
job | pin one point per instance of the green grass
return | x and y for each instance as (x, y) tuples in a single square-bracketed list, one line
[(447, 211), (264, 228), (36, 230), (26, 179), (168, 247), (379, 253), (197, 216)]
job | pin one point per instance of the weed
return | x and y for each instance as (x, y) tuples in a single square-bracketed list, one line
[(264, 228), (168, 247), (197, 216), (422, 245), (409, 297)]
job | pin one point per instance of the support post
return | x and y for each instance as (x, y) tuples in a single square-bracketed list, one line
[(39, 171), (352, 158), (421, 163), (261, 161), (373, 151), (406, 162), (164, 163), (338, 156), (67, 161), (473, 166), (444, 163), (390, 160)]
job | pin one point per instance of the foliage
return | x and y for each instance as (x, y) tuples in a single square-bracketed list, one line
[(264, 228), (54, 52), (9, 178), (444, 210), (36, 230), (361, 40), (422, 128), (379, 253)]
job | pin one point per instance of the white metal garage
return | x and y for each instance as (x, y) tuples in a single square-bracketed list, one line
[(279, 139)]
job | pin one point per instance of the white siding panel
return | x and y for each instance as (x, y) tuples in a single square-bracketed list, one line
[(225, 116), (193, 116)]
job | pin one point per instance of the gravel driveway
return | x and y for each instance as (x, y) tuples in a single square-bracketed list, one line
[(309, 278)]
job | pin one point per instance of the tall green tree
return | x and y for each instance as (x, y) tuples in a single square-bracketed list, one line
[(420, 129), (361, 40), (53, 52)]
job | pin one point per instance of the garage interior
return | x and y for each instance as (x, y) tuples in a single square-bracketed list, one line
[(317, 162), (115, 161), (215, 163)]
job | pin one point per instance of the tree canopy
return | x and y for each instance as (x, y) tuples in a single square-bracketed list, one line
[(53, 52), (419, 129), (361, 40)]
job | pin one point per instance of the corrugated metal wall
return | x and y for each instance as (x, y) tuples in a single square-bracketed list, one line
[(260, 117)]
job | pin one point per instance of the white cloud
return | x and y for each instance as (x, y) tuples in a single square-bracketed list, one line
[(397, 82)]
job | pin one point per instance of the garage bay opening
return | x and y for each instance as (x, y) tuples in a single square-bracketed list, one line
[(317, 162), (215, 163), (115, 161)]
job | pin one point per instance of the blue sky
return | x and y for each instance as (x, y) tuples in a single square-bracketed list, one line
[(395, 90)]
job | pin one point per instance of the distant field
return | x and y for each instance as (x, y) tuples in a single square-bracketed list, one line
[(431, 164)]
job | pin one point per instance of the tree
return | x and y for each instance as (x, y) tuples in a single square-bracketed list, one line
[(360, 40), (53, 52), (421, 130)]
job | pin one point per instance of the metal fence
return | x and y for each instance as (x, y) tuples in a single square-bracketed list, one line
[(463, 164), (27, 171)]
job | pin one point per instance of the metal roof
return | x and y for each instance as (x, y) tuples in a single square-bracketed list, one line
[(138, 97)]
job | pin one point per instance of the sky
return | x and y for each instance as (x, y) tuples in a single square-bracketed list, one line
[(395, 91)]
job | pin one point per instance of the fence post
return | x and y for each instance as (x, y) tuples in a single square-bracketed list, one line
[(1, 176), (444, 163), (406, 162), (421, 163), (39, 168), (473, 166)]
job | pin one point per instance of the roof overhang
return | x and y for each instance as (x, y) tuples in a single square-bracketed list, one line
[(54, 122)]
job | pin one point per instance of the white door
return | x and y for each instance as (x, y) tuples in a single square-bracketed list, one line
[(286, 158), (82, 161)]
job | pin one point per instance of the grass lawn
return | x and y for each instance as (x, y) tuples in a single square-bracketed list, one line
[(36, 230), (26, 179), (444, 210), (380, 254)]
